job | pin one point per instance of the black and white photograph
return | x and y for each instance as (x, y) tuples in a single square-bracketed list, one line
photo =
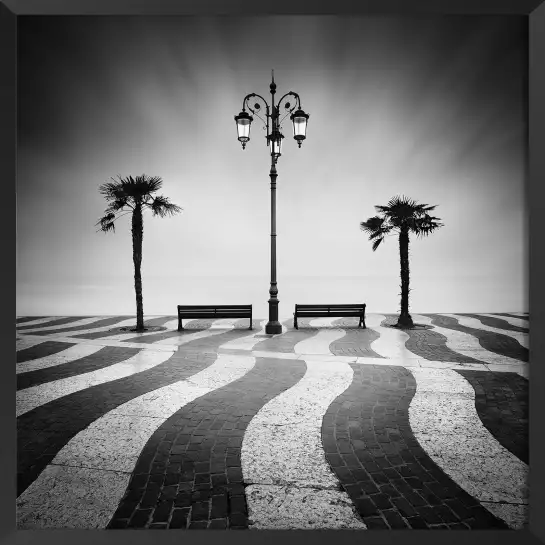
[(272, 272)]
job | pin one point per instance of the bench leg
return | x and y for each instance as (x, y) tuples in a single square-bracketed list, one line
[(362, 323), (180, 326), (295, 321)]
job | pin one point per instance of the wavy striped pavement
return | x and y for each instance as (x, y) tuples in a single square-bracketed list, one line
[(498, 321), (479, 323), (330, 426), (102, 457), (289, 482), (519, 321)]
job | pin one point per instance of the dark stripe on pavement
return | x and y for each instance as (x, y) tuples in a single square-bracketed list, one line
[(99, 323), (116, 330), (191, 327), (520, 316), (126, 329), (496, 322), (493, 342), (214, 341), (23, 319), (356, 341), (53, 322), (286, 341), (47, 348), (501, 400), (431, 345), (393, 483), (109, 355), (189, 474), (44, 431)]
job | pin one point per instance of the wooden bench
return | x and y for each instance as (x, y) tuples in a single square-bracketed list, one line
[(189, 312), (325, 311)]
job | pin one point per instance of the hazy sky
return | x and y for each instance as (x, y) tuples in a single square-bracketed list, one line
[(430, 107)]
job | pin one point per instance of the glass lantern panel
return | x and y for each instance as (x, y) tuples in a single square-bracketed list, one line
[(299, 126), (276, 147), (243, 128)]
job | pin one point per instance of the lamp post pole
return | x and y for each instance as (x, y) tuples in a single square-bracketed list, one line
[(273, 326), (274, 140)]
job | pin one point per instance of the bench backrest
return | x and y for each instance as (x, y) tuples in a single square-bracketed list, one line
[(201, 311), (336, 307)]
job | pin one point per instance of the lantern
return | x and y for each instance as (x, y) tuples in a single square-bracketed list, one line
[(243, 121), (299, 119), (275, 143)]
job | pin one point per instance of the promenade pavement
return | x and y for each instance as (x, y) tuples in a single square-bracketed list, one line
[(327, 427)]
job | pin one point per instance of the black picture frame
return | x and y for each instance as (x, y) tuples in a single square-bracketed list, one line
[(10, 10)]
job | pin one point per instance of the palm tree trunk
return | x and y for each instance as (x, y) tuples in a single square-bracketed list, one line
[(137, 236), (404, 319)]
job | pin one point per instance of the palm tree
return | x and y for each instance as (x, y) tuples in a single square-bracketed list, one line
[(402, 215), (132, 196)]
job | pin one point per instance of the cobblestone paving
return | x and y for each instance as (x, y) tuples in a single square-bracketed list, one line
[(46, 348), (429, 344), (98, 323), (498, 322), (103, 358), (57, 322), (500, 344), (501, 399), (369, 444), (524, 316), (188, 471), (356, 342), (23, 320)]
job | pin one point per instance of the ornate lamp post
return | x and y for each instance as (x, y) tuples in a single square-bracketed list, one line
[(274, 139)]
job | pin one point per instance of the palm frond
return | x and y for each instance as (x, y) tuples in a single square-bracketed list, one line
[(372, 224), (377, 227), (402, 212), (118, 204), (426, 225), (377, 243), (106, 222), (161, 206), (152, 183), (111, 190)]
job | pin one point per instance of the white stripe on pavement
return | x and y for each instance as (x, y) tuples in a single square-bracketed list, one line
[(248, 342), (391, 343), (468, 345), (64, 356), (33, 397), (217, 327), (22, 343), (444, 420), (475, 323), (319, 343), (106, 452), (291, 483)]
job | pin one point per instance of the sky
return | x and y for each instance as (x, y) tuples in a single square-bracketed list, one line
[(429, 107)]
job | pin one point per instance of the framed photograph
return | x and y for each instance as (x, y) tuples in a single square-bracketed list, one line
[(275, 269)]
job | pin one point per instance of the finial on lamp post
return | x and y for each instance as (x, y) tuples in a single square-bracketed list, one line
[(273, 85)]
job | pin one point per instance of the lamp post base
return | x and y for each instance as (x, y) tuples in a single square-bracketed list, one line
[(273, 328)]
